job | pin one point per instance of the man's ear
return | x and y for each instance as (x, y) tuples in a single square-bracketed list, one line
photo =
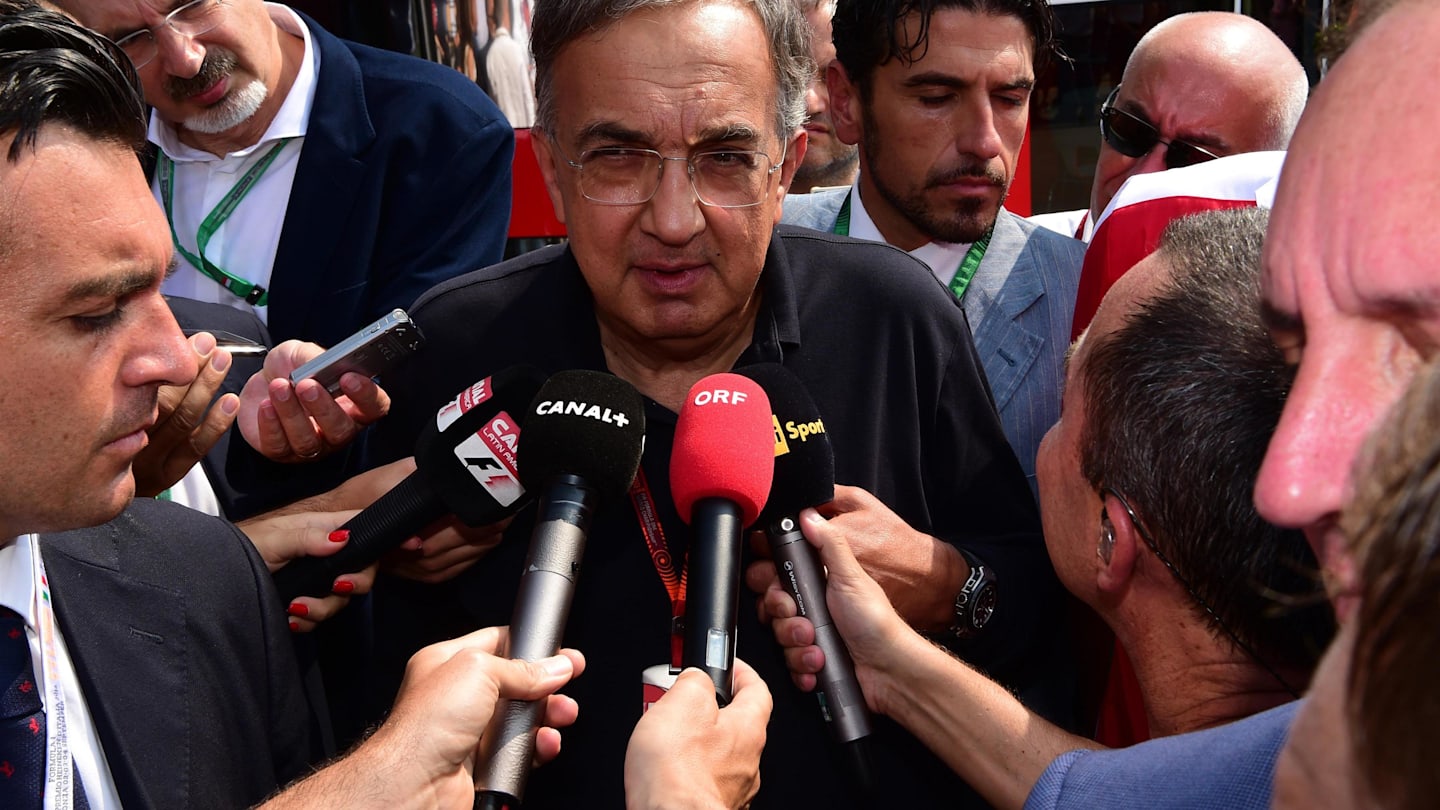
[(794, 156), (845, 111), (1119, 535), (548, 157)]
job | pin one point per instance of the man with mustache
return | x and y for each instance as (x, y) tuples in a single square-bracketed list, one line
[(937, 95), (316, 182)]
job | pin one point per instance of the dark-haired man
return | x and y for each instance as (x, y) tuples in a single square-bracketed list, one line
[(316, 183), (148, 651), (937, 95)]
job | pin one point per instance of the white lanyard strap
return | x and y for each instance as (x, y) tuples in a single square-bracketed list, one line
[(59, 767)]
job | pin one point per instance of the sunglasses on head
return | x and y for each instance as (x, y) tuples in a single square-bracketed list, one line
[(1133, 136)]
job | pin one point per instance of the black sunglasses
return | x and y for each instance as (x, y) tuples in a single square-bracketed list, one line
[(1133, 136)]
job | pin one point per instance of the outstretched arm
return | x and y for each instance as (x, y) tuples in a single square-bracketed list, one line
[(981, 731)]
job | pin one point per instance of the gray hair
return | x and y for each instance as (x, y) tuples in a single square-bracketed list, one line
[(556, 23)]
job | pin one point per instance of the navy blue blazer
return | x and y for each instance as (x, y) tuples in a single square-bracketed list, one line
[(404, 182), (181, 648)]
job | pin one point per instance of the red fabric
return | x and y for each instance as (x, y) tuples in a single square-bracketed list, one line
[(531, 214), (1122, 239), (1122, 712)]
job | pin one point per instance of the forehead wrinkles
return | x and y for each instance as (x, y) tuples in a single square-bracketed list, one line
[(710, 65), (115, 18)]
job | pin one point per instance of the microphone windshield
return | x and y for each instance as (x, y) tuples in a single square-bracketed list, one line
[(804, 459), (473, 441), (724, 446), (588, 424)]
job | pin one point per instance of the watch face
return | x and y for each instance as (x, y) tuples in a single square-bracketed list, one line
[(984, 606)]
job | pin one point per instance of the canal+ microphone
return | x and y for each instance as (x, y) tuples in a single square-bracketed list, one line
[(584, 435)]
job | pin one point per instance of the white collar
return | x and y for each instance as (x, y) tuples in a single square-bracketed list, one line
[(943, 258), (291, 120), (17, 580)]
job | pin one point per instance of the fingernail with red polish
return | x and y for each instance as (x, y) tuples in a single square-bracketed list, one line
[(298, 609), (294, 627), (339, 535), (343, 586)]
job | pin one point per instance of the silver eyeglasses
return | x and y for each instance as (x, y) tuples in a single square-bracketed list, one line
[(189, 20), (723, 178)]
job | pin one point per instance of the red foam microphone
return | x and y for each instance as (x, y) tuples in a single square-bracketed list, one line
[(720, 473)]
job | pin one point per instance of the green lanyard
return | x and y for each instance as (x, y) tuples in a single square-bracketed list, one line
[(252, 293), (963, 274)]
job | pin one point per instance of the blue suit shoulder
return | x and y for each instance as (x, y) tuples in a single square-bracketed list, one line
[(1040, 238), (1228, 767)]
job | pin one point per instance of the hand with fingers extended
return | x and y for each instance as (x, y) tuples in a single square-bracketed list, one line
[(282, 538), (189, 424), (688, 752), (424, 753), (293, 423)]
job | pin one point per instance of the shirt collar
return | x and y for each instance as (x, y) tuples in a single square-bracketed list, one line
[(17, 580), (943, 258), (291, 120)]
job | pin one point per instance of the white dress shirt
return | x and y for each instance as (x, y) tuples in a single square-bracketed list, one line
[(943, 258), (245, 245), (18, 561)]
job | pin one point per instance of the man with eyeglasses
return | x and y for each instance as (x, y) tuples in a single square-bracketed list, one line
[(1177, 373), (316, 182), (937, 95), (667, 134), (1197, 86)]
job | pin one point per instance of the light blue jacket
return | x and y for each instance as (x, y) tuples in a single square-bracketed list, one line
[(1020, 304)]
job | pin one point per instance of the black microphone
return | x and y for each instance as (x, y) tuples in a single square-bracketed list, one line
[(805, 477), (720, 470), (583, 439), (465, 464)]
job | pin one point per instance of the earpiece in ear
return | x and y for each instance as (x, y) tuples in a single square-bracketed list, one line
[(1107, 538)]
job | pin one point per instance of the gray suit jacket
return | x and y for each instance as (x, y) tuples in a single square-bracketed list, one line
[(1020, 304)]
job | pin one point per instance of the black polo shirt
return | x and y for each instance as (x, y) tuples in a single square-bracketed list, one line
[(887, 356)]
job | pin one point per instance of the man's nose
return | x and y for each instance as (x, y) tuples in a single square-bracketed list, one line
[(179, 54)]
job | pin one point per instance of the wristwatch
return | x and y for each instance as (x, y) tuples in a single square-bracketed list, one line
[(975, 603)]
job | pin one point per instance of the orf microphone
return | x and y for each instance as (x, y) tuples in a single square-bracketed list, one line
[(805, 477), (583, 438), (720, 471), (465, 464)]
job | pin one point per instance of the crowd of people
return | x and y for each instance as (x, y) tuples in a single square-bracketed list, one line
[(1227, 484)]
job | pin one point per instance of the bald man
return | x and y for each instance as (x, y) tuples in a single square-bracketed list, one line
[(1198, 86)]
